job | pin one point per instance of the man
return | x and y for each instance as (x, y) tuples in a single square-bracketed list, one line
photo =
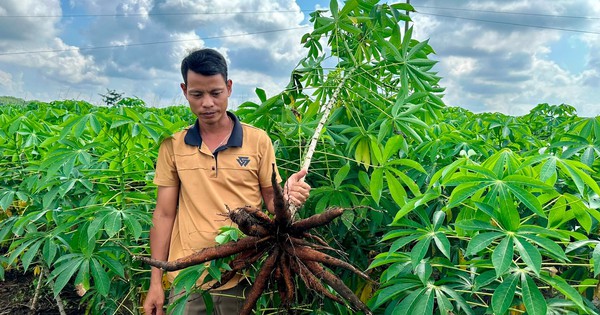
[(215, 163)]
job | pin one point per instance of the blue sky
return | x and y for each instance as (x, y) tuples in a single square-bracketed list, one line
[(494, 55)]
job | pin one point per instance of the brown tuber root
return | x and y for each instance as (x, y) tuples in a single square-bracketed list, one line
[(206, 254), (292, 253)]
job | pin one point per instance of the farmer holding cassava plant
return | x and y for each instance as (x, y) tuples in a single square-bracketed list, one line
[(216, 163)]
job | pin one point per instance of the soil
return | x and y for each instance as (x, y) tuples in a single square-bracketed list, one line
[(17, 291)]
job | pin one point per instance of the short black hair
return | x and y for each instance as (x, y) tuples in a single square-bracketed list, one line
[(204, 61)]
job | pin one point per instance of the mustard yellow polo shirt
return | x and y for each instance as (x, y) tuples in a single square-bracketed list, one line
[(233, 175)]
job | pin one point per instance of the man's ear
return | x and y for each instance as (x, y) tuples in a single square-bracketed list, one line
[(183, 88), (229, 85)]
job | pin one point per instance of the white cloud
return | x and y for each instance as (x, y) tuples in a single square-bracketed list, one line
[(506, 66), (20, 24), (6, 80), (66, 64), (484, 66)]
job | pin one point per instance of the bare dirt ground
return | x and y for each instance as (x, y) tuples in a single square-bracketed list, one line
[(18, 289)]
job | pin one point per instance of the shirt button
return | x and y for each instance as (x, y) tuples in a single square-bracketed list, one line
[(213, 168)]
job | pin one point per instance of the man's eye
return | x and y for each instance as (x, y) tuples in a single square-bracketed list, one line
[(216, 93)]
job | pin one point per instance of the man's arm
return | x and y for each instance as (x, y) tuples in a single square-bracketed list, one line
[(163, 219)]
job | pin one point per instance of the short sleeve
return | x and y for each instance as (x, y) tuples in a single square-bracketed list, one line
[(166, 170), (265, 169)]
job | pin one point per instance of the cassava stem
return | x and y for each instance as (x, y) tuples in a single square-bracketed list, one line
[(315, 137)]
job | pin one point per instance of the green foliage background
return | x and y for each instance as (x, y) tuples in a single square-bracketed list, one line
[(455, 212)]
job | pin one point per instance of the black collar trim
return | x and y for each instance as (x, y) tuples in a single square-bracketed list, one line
[(192, 137)]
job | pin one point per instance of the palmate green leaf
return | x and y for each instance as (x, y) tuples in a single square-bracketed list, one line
[(464, 191), (132, 224), (6, 198), (391, 292), (442, 243), (49, 251), (596, 258), (529, 254), (409, 182), (532, 297), (566, 289), (419, 251), (392, 146), (396, 189), (447, 172), (438, 219), (581, 212), (581, 179), (388, 258), (527, 198), (423, 271), (443, 303), (64, 273), (30, 254), (480, 241), (112, 264), (376, 184), (21, 245), (401, 242), (549, 245), (406, 306), (504, 294), (475, 225), (113, 222), (458, 299), (548, 169), (507, 213), (177, 307), (396, 233), (424, 303), (187, 278), (395, 270), (83, 274), (341, 175), (502, 255), (415, 202), (578, 244), (484, 279), (100, 277)]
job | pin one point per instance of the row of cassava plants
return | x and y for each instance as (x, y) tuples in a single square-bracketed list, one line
[(454, 212), (75, 188), (472, 213)]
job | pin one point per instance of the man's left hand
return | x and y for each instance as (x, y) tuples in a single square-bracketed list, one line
[(295, 190)]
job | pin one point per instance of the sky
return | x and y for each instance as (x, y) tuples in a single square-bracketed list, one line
[(502, 56)]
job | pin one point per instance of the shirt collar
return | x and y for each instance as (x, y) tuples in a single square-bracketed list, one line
[(192, 137)]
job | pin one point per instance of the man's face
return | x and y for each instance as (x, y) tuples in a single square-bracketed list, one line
[(208, 97)]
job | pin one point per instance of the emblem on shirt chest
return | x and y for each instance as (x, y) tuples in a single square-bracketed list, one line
[(243, 160)]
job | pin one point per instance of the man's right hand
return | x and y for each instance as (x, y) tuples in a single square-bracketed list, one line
[(155, 300)]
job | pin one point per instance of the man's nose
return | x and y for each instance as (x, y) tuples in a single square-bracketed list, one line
[(206, 101)]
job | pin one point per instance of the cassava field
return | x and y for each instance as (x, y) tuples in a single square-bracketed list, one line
[(445, 211)]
